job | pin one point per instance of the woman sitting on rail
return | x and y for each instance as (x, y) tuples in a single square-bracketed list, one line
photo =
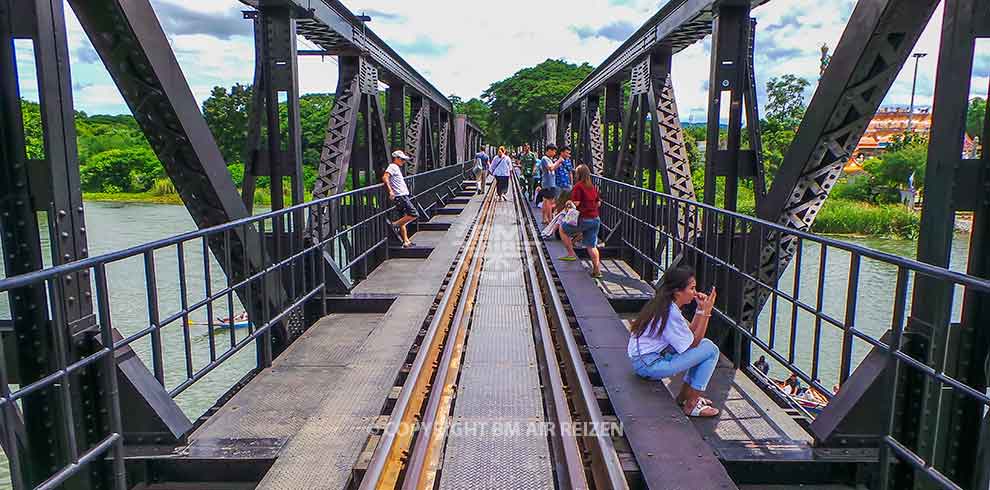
[(663, 343)]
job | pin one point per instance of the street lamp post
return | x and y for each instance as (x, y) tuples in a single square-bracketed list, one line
[(914, 84)]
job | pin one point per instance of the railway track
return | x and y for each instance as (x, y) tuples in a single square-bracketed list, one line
[(581, 439)]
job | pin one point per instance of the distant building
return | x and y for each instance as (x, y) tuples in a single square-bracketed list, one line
[(888, 123)]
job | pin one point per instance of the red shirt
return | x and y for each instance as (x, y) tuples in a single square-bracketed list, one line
[(587, 198)]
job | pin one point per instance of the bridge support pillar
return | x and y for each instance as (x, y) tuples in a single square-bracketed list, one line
[(396, 96), (56, 325), (613, 121)]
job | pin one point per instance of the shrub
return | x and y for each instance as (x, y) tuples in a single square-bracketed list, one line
[(129, 170)]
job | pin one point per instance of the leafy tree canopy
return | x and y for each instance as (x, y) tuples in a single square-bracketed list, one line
[(519, 102)]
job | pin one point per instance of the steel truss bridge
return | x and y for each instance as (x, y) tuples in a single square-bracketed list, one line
[(363, 356)]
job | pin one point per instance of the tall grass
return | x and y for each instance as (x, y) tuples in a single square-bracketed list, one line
[(842, 216), (162, 187)]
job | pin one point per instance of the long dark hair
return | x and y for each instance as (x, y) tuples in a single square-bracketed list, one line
[(658, 308)]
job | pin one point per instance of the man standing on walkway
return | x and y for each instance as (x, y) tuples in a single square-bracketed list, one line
[(564, 177), (398, 194), (548, 166), (481, 169), (527, 160)]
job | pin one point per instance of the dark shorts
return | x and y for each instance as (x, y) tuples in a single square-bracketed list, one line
[(549, 193), (403, 206)]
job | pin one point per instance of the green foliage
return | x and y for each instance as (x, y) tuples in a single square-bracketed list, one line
[(100, 133), (127, 170), (33, 134), (841, 216), (891, 170), (162, 187), (519, 102), (226, 114), (976, 117), (784, 110), (859, 188), (478, 112), (785, 99)]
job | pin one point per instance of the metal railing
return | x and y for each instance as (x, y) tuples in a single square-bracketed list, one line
[(289, 267), (807, 315)]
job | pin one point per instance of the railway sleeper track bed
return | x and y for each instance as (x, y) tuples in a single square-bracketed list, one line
[(501, 321)]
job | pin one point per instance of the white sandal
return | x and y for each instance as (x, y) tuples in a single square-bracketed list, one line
[(699, 411)]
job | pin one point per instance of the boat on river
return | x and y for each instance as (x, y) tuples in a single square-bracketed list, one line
[(237, 321)]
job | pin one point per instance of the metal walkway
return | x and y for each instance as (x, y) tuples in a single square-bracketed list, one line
[(495, 439)]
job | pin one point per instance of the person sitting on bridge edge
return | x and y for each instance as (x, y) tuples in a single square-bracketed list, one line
[(793, 383), (501, 168), (548, 165), (762, 365), (662, 343), (480, 169), (398, 193), (586, 200)]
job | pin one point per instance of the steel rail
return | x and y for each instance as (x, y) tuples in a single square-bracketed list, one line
[(390, 448), (421, 467), (573, 461), (608, 458)]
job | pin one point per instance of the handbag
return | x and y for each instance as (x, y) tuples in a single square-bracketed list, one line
[(571, 217)]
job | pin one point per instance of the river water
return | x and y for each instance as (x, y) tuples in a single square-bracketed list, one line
[(114, 226)]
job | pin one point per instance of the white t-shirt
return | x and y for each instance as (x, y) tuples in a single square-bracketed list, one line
[(676, 333), (500, 166), (396, 181)]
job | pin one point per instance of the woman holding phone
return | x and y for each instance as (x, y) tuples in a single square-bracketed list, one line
[(663, 343)]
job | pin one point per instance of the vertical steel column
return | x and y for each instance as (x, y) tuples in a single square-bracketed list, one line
[(613, 121), (950, 423), (396, 96), (253, 149), (46, 182), (443, 138), (280, 80), (461, 148), (728, 61)]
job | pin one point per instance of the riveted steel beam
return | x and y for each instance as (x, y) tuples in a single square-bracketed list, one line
[(333, 27)]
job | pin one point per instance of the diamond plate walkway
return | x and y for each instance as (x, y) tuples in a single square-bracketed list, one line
[(496, 439)]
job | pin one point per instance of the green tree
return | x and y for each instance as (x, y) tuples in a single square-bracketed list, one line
[(33, 134), (519, 102), (785, 99), (477, 111), (976, 117), (226, 114), (121, 170), (784, 110), (906, 156)]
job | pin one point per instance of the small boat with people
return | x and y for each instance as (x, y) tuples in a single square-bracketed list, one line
[(808, 398), (237, 321)]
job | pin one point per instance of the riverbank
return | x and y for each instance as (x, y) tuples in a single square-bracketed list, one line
[(261, 196)]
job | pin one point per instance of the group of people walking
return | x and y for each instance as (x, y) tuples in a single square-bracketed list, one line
[(662, 341)]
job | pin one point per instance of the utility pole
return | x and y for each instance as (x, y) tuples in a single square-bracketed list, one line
[(914, 84)]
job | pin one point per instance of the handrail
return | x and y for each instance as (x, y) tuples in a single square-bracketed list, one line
[(977, 283), (89, 262)]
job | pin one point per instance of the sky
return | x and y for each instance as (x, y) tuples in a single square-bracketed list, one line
[(462, 46)]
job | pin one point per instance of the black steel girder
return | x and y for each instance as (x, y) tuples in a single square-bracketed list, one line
[(329, 24), (139, 58), (679, 24)]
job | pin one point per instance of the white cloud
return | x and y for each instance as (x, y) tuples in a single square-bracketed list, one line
[(462, 48)]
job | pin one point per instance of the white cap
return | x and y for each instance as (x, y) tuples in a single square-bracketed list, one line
[(401, 154)]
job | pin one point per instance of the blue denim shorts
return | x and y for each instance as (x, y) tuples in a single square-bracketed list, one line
[(588, 228)]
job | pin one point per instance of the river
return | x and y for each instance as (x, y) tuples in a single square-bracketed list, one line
[(113, 226)]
